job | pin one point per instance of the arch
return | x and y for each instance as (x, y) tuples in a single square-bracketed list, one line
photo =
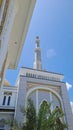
[(47, 89)]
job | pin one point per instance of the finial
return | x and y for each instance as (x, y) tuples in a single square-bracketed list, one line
[(37, 41)]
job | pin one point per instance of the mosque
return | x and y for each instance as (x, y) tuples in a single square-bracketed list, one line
[(37, 84)]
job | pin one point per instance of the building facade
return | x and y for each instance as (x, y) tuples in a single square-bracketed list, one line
[(37, 84)]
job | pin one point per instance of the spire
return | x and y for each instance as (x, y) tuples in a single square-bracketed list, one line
[(37, 59)]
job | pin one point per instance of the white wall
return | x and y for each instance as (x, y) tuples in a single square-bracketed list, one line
[(13, 96)]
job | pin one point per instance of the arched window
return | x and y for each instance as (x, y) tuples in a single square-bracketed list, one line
[(4, 100), (8, 103)]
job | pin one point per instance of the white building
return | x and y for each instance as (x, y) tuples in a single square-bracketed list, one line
[(37, 84), (15, 17)]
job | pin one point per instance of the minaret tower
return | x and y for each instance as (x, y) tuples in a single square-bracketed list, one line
[(37, 59)]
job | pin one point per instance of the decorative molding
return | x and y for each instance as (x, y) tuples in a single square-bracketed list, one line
[(36, 101), (47, 89), (51, 101)]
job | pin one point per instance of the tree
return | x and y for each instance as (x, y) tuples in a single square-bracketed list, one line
[(50, 120), (30, 115), (45, 119), (58, 117), (13, 124), (43, 115)]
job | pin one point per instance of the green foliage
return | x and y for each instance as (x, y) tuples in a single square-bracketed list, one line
[(45, 119), (30, 123), (13, 124), (43, 114), (50, 120)]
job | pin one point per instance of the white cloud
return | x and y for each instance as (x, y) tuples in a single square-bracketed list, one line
[(71, 103), (68, 85), (51, 53)]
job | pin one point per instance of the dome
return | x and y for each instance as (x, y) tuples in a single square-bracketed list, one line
[(6, 83)]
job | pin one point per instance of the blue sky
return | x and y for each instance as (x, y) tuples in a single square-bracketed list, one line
[(52, 21)]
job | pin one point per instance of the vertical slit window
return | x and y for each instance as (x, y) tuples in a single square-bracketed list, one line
[(4, 100), (8, 103), (0, 43)]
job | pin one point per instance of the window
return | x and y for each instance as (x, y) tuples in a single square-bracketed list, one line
[(8, 103), (4, 100), (0, 43), (7, 93), (26, 74)]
